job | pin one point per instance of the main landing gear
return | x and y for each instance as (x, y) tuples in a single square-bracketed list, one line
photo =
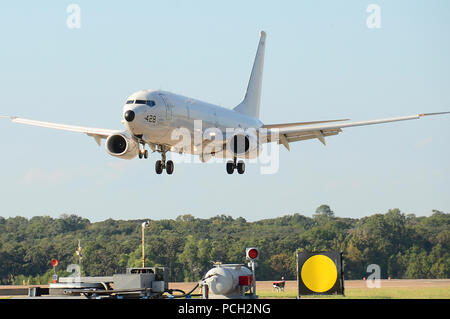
[(161, 165), (232, 165)]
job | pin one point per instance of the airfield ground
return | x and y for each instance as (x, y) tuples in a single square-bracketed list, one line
[(354, 289), (401, 288)]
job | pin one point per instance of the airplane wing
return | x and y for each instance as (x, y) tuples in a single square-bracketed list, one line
[(288, 134), (299, 123), (96, 133)]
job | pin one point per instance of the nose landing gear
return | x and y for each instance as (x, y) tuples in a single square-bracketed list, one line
[(143, 154)]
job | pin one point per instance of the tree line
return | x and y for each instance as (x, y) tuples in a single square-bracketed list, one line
[(404, 246)]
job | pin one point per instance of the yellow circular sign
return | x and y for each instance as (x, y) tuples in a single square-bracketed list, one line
[(319, 273)]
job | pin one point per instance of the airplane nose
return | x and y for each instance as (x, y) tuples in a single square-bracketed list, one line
[(129, 116)]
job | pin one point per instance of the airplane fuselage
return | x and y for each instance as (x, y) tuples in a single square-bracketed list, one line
[(152, 116)]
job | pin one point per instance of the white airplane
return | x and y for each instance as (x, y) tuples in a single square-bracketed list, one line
[(162, 120)]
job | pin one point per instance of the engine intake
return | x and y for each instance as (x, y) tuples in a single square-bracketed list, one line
[(122, 146)]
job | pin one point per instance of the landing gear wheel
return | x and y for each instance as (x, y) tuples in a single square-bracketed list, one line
[(230, 167), (143, 154), (158, 167), (169, 167), (241, 167)]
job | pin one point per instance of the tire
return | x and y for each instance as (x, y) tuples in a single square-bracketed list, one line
[(169, 167), (158, 167), (230, 167), (241, 167), (146, 154), (140, 154)]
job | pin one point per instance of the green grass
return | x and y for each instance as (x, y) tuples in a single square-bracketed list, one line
[(374, 293), (362, 293)]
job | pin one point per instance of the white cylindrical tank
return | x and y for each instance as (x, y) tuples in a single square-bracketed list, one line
[(224, 279)]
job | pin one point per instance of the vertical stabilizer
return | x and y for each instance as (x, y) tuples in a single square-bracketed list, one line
[(250, 105)]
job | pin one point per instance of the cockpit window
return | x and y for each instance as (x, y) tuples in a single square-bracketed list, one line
[(150, 103)]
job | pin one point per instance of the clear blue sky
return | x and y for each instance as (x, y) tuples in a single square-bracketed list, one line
[(322, 62)]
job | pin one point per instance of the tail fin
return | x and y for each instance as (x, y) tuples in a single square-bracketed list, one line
[(250, 105)]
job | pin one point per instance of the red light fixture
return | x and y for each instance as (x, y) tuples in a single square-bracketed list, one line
[(252, 253), (54, 262)]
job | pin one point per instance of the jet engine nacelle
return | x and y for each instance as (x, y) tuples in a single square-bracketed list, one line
[(122, 146), (243, 144)]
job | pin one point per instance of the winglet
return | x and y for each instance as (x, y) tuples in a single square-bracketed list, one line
[(437, 113), (8, 117)]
